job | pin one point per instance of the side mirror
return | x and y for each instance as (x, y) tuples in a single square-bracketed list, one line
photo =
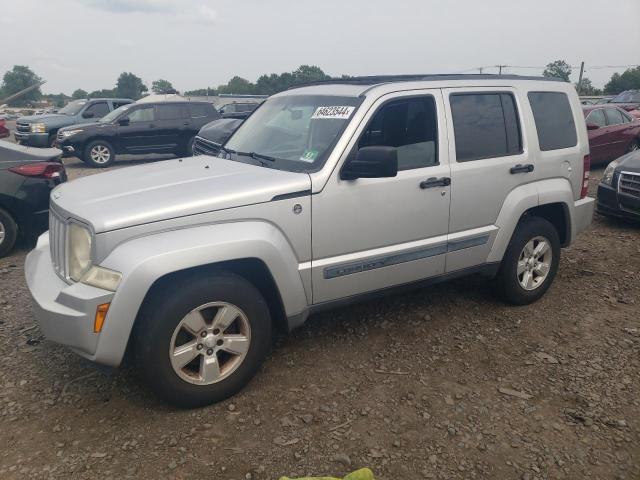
[(123, 121), (592, 126), (87, 114), (371, 162)]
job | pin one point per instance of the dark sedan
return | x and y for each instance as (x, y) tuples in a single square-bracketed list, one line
[(628, 100), (213, 135), (612, 132), (619, 189), (27, 176)]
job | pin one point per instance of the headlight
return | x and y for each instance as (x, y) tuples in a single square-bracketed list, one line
[(79, 251), (102, 278), (607, 178), (68, 133), (38, 128)]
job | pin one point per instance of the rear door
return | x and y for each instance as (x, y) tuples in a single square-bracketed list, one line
[(599, 138), (140, 135), (171, 123), (488, 159), (619, 132)]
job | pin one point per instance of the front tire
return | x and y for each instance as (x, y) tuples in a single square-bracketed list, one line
[(204, 342), (530, 263), (99, 154), (8, 232)]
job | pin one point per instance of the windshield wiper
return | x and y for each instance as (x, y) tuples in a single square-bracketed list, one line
[(259, 156)]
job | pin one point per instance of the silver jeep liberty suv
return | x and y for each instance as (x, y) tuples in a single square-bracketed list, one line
[(326, 194)]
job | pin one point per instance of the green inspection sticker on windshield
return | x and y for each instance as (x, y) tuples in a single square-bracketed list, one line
[(309, 156)]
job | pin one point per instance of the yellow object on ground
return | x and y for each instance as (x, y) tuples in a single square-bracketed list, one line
[(362, 474)]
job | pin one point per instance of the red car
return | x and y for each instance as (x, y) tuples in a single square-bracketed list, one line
[(612, 132), (4, 131)]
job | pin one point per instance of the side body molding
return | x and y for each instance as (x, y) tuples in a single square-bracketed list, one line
[(145, 259)]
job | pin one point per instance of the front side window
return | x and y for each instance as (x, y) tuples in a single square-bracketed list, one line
[(554, 120), (145, 114), (110, 117), (99, 109), (73, 108), (298, 132), (411, 126), (596, 117), (614, 117), (486, 125)]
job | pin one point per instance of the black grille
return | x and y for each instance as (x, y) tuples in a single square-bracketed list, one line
[(23, 127), (202, 146), (630, 184)]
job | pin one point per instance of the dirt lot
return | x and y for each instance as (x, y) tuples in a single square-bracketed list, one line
[(440, 383)]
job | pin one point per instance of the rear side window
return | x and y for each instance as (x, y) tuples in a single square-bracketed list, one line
[(614, 117), (554, 120), (119, 104), (198, 110), (169, 112), (596, 117), (486, 125)]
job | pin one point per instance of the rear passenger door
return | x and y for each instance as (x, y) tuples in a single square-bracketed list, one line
[(170, 126), (488, 160)]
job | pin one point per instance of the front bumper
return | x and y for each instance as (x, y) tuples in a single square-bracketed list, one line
[(68, 148), (65, 312), (32, 139), (612, 205)]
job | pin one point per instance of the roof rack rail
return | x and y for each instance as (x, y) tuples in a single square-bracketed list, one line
[(379, 79)]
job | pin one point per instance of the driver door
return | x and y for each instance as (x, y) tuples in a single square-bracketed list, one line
[(373, 233)]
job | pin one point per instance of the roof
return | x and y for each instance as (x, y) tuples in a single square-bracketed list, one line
[(356, 86), (108, 98), (588, 108)]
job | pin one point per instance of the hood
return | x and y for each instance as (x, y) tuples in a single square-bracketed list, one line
[(173, 188), (52, 119), (219, 130), (629, 162), (85, 126)]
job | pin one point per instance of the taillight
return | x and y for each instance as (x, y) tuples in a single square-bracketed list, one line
[(39, 169), (586, 170)]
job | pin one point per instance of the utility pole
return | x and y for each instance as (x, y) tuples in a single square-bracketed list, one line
[(500, 68), (580, 78), (480, 69)]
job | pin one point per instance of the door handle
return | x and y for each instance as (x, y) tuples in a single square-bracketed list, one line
[(528, 168), (435, 182)]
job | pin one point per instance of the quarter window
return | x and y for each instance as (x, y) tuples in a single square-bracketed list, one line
[(596, 117), (614, 117), (486, 125), (554, 120), (145, 114), (410, 125)]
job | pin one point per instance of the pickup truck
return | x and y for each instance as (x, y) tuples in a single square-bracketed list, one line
[(41, 130)]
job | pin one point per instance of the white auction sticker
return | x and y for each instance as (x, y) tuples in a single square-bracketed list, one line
[(340, 112)]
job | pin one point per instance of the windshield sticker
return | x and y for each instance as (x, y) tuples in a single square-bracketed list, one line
[(339, 112), (309, 156)]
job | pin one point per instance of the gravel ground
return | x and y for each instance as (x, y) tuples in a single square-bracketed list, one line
[(439, 383)]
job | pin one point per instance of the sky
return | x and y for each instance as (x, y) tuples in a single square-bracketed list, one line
[(198, 43)]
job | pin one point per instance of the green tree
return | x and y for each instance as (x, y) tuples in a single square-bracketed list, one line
[(79, 93), (238, 85), (59, 100), (558, 69), (162, 87), (629, 80), (309, 73), (587, 88), (104, 93), (201, 92), (19, 78), (130, 86)]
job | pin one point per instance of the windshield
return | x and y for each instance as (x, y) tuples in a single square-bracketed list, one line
[(111, 116), (627, 97), (73, 107), (297, 131)]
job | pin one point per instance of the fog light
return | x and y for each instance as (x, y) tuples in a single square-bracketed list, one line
[(101, 314)]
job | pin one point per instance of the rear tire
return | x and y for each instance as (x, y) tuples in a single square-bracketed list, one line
[(99, 154), (8, 232), (173, 320), (530, 263), (187, 151)]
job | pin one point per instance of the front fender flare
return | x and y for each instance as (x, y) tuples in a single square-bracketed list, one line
[(142, 261)]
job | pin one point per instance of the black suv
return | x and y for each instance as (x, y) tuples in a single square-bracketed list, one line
[(139, 128), (238, 110)]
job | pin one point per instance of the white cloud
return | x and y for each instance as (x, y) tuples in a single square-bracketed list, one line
[(185, 11)]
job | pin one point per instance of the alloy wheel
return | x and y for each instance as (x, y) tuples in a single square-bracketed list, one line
[(534, 263), (3, 233), (635, 145), (100, 154), (210, 343)]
